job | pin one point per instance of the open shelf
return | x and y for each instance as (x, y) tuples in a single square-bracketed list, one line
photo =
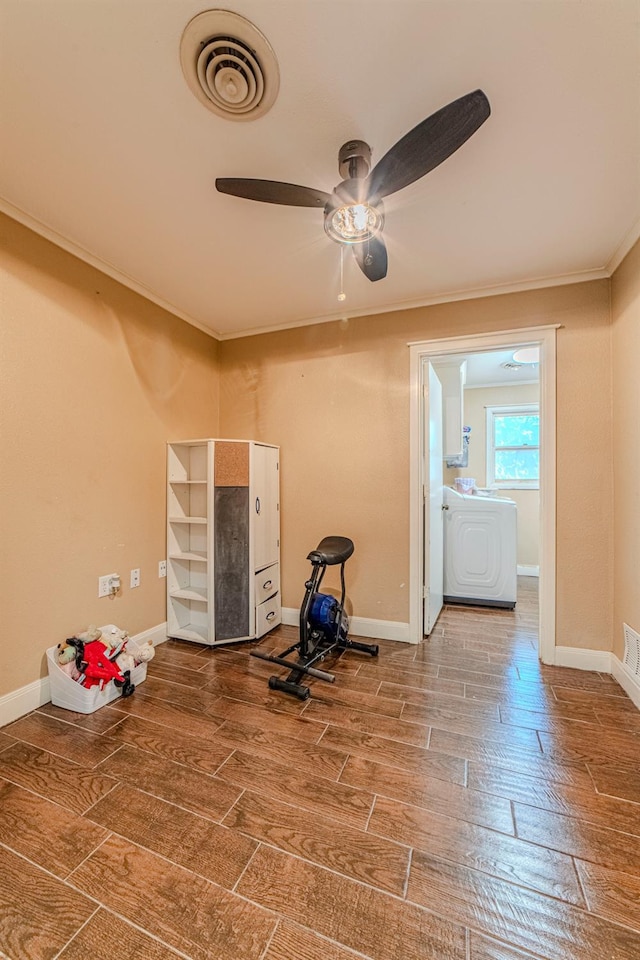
[(190, 593), (195, 634), (187, 519), (187, 616), (189, 555), (188, 461)]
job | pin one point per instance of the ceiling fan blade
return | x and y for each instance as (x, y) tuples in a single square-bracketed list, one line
[(272, 191), (428, 144), (371, 257)]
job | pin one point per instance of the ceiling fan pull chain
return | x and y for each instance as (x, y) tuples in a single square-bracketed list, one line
[(342, 295), (368, 259)]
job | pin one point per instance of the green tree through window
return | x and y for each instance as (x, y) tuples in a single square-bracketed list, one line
[(513, 445)]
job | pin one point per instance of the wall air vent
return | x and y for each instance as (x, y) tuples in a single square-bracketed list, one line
[(631, 658), (229, 65)]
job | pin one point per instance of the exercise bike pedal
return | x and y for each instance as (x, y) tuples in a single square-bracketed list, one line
[(295, 689)]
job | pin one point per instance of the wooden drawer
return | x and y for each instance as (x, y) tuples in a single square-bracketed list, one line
[(267, 582), (268, 615)]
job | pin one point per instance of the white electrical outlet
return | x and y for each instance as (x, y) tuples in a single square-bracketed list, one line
[(106, 584), (135, 578), (162, 568)]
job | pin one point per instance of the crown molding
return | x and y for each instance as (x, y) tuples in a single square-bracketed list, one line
[(76, 250), (478, 293), (629, 240)]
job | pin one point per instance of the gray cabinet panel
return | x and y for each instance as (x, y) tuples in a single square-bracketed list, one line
[(231, 562)]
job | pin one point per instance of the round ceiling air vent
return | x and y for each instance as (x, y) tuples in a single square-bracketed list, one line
[(229, 65)]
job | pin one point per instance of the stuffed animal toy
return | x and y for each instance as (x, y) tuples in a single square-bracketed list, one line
[(135, 653), (116, 640), (141, 652), (90, 634), (66, 653), (125, 661), (97, 669)]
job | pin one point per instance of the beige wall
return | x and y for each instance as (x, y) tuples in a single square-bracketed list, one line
[(94, 380), (476, 400), (625, 310), (335, 396)]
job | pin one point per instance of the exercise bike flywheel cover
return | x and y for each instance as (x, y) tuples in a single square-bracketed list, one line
[(323, 610)]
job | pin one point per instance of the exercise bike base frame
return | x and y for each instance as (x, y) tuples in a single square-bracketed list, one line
[(316, 643)]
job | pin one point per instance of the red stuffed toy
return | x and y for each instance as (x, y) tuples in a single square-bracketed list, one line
[(97, 669)]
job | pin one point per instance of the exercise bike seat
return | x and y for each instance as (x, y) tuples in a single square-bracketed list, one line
[(332, 550)]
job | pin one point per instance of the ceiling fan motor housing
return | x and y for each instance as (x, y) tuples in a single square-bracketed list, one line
[(354, 159)]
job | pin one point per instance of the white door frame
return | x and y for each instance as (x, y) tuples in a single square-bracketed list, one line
[(545, 337), (433, 526)]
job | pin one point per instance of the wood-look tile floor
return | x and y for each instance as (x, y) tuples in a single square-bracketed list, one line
[(451, 800)]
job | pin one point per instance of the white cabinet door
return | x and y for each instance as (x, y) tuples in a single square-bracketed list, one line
[(265, 481), (452, 374)]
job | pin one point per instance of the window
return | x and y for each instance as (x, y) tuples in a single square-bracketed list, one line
[(513, 446)]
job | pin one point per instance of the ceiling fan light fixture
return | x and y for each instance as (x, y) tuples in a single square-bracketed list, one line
[(353, 222)]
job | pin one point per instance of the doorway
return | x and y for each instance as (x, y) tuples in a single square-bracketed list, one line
[(422, 513)]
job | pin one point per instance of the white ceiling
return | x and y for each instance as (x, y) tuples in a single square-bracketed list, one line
[(487, 370), (107, 152)]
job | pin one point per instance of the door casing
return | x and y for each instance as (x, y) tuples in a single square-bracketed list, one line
[(434, 536), (545, 338)]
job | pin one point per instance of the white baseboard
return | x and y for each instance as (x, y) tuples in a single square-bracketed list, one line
[(528, 570), (24, 700), (19, 702), (157, 634), (360, 626), (582, 659), (627, 680)]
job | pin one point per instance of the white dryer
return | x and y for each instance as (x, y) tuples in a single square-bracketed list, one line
[(480, 550)]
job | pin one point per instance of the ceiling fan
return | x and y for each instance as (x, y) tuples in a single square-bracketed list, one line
[(353, 213)]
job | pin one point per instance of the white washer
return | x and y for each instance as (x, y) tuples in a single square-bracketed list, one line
[(480, 550)]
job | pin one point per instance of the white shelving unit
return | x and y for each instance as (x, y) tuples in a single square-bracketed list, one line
[(189, 506), (223, 540)]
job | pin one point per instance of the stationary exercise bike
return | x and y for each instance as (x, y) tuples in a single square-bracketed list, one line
[(324, 625)]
